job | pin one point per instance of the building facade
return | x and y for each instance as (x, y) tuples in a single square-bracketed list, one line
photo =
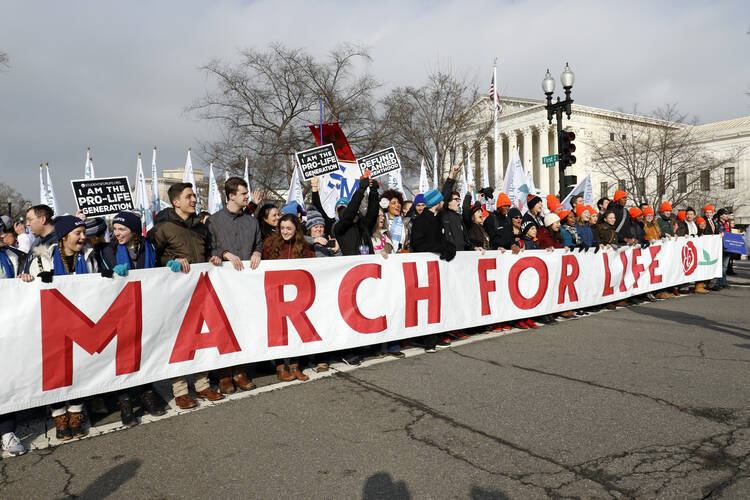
[(523, 126)]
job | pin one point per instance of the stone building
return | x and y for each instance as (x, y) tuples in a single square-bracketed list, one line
[(523, 126)]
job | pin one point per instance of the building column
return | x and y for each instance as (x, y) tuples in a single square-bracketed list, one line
[(543, 131), (512, 145), (527, 160), (499, 176), (484, 165)]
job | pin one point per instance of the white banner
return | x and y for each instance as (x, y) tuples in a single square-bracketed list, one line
[(84, 335)]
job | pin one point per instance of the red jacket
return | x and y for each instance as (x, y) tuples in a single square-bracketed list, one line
[(545, 239)]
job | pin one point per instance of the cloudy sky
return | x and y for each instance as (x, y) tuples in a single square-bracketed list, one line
[(118, 75)]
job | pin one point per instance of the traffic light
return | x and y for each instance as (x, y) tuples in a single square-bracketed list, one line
[(569, 182), (567, 148)]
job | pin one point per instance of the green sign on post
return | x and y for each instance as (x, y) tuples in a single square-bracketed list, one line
[(550, 160)]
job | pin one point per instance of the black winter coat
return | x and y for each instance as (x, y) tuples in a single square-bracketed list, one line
[(427, 236), (352, 231), (453, 226)]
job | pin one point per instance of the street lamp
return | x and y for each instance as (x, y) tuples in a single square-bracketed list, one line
[(556, 110)]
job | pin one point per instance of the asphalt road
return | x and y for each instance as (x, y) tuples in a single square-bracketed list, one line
[(651, 401)]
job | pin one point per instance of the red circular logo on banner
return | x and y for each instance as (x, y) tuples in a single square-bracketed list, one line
[(689, 258)]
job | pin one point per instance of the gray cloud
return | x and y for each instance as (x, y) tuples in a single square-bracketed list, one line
[(117, 76)]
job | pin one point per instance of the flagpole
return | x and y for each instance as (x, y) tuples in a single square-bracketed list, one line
[(320, 105), (494, 106)]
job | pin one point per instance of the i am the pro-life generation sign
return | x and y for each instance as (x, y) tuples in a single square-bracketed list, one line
[(105, 196), (318, 161)]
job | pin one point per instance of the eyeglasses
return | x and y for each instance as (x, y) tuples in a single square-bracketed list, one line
[(455, 199), (518, 217)]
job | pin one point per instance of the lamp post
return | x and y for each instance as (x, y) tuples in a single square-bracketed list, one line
[(556, 109), (9, 207)]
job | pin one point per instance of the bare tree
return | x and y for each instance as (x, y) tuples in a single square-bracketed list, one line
[(663, 158), (434, 117), (10, 198), (264, 103)]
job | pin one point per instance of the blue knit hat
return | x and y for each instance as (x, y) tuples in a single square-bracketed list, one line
[(313, 219), (130, 220), (293, 208), (343, 202), (419, 199), (432, 198), (66, 223), (95, 226)]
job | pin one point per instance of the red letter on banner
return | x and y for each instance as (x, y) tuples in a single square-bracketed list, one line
[(486, 286), (63, 323), (415, 293), (568, 281), (624, 260), (540, 267), (608, 290), (279, 310), (655, 278), (348, 299), (636, 267), (204, 307)]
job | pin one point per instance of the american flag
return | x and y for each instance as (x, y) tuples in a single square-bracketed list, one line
[(495, 98)]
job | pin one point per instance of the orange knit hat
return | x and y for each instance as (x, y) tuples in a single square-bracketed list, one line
[(665, 207), (681, 215), (503, 200), (635, 212), (648, 210), (707, 208), (619, 194)]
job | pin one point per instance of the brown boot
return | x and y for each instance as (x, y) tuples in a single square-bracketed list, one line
[(61, 427), (283, 373), (243, 383), (663, 295), (185, 402), (226, 386), (700, 288), (209, 394), (75, 421), (297, 373)]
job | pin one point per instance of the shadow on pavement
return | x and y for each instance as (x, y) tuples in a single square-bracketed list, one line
[(478, 493), (692, 320), (381, 486), (111, 480)]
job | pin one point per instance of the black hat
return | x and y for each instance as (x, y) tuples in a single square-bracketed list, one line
[(533, 201), (95, 226), (525, 226), (66, 223), (513, 213), (130, 220)]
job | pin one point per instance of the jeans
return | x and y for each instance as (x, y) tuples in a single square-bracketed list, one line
[(724, 264)]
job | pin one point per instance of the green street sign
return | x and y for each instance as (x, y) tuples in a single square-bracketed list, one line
[(550, 160)]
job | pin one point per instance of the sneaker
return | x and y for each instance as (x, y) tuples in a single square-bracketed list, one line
[(397, 354), (530, 323), (352, 360), (458, 335), (62, 429), (522, 324), (430, 349), (12, 444), (126, 411), (442, 343), (152, 403), (321, 367), (445, 338)]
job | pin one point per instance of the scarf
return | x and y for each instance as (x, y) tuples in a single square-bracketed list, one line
[(80, 267), (6, 265), (122, 257)]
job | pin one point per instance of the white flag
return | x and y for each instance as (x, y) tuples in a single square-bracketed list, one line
[(42, 187), (188, 176), (51, 199), (295, 189), (423, 185), (583, 188), (469, 179), (214, 196), (155, 199), (530, 182), (464, 184), (434, 172), (247, 179), (516, 182), (395, 181), (141, 202), (485, 176), (88, 169)]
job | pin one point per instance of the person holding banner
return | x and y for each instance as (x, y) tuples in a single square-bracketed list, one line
[(622, 217), (39, 221), (451, 219), (399, 226), (288, 243), (534, 212), (129, 250), (268, 218), (182, 239), (69, 256)]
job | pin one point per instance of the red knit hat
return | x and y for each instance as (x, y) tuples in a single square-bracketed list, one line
[(635, 212), (648, 210), (503, 200), (580, 208), (681, 215), (563, 213), (552, 201), (665, 207), (700, 219), (619, 194), (707, 208)]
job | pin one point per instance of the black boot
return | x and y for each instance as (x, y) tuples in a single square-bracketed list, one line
[(152, 403), (126, 410)]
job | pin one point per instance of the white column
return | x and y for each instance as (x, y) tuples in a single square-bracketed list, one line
[(500, 162), (528, 151), (543, 151), (483, 163), (512, 145)]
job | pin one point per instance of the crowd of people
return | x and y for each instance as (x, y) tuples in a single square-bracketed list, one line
[(372, 221)]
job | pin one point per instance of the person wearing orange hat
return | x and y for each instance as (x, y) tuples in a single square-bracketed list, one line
[(567, 229), (583, 224), (622, 217), (701, 222), (636, 226), (496, 223), (650, 225), (665, 219), (708, 216)]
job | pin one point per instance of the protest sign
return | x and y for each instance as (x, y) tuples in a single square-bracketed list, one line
[(734, 243), (379, 163), (318, 161), (102, 196)]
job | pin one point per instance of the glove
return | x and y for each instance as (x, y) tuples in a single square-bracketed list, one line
[(107, 273), (646, 244), (583, 247), (597, 248), (45, 276), (374, 185), (121, 269), (449, 251), (175, 266)]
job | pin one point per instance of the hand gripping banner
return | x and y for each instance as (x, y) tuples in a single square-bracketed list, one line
[(85, 335)]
